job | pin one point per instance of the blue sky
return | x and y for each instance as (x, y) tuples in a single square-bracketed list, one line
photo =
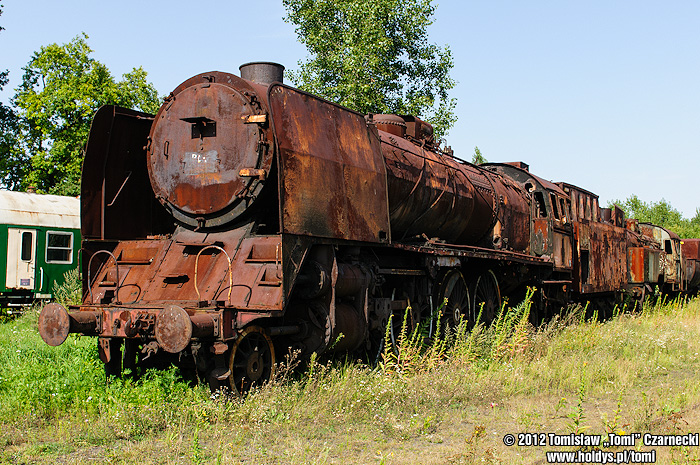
[(602, 94)]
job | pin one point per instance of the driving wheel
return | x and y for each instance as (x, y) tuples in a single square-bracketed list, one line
[(486, 292), (454, 289)]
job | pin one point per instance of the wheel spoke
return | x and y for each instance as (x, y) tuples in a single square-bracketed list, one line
[(488, 294), (455, 289)]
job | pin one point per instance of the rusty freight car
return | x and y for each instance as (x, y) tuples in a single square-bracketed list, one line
[(248, 217)]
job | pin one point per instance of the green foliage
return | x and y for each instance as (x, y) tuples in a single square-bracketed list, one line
[(478, 158), (10, 170), (508, 336), (61, 89), (374, 57), (578, 416), (70, 291), (660, 213)]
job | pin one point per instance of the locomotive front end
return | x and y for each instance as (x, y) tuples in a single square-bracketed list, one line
[(181, 250), (209, 151)]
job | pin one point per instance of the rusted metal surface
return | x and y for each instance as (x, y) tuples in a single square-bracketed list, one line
[(173, 329), (643, 265), (690, 248), (433, 194), (601, 251), (164, 270), (563, 250), (672, 262), (549, 215), (204, 136), (117, 200), (541, 236), (351, 324), (511, 230), (55, 323), (466, 251), (334, 182), (584, 204)]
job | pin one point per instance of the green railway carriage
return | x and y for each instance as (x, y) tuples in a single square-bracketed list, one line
[(39, 242)]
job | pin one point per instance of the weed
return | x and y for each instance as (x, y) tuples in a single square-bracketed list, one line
[(562, 402), (578, 415), (613, 426), (195, 449), (69, 292)]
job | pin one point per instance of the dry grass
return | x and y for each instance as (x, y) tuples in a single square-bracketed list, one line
[(446, 404)]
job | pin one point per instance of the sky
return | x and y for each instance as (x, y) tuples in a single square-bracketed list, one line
[(602, 94)]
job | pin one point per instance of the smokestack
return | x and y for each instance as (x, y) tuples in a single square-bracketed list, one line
[(262, 72)]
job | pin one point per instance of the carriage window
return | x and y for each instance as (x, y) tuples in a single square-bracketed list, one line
[(59, 247), (555, 206), (564, 209), (539, 204), (585, 266), (26, 246), (667, 246)]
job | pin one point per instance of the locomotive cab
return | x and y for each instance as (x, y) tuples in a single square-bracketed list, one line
[(550, 214), (672, 259)]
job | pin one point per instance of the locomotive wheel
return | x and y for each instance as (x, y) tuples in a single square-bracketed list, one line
[(455, 289), (397, 322), (486, 291), (252, 360)]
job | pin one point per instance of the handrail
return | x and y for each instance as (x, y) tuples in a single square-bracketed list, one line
[(230, 271), (116, 264)]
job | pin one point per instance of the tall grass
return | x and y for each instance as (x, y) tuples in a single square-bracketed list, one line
[(425, 382), (509, 334)]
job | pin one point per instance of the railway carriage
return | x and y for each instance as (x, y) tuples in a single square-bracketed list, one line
[(40, 238)]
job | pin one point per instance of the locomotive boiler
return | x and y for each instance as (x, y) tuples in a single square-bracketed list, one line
[(249, 218)]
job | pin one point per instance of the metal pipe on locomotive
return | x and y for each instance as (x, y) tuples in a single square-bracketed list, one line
[(248, 217)]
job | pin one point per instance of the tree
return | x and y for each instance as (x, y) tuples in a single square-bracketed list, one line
[(478, 158), (374, 57), (662, 214), (61, 89)]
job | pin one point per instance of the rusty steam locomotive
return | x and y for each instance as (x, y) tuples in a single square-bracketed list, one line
[(248, 217)]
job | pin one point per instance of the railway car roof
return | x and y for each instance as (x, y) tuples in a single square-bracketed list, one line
[(671, 234), (26, 209), (550, 186)]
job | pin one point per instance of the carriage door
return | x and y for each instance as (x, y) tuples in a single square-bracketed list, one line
[(21, 258)]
